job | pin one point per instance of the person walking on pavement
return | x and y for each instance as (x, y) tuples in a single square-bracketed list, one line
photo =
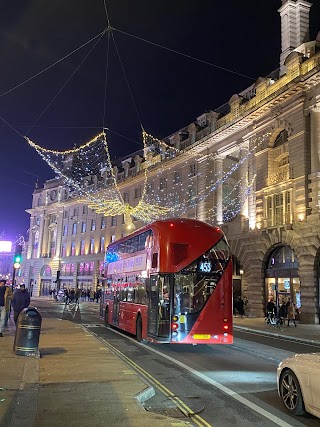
[(271, 311), (3, 303), (7, 302), (283, 313), (291, 314), (77, 295), (21, 300)]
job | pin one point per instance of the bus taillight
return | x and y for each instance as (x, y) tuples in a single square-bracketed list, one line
[(226, 327), (174, 326)]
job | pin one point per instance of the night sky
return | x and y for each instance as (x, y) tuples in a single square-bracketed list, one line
[(169, 90)]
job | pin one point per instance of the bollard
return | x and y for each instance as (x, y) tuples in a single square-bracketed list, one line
[(26, 342)]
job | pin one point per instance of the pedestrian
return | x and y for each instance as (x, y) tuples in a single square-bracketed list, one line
[(240, 306), (77, 295), (21, 300), (66, 296), (291, 314), (71, 295), (7, 302), (5, 293), (283, 313), (271, 311), (98, 294)]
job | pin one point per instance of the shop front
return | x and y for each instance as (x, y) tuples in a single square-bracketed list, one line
[(282, 282)]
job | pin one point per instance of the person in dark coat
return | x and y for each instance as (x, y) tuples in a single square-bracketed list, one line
[(21, 300)]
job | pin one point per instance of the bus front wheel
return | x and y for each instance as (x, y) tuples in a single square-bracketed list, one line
[(139, 329), (106, 316)]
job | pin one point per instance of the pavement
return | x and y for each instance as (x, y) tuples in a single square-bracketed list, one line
[(76, 382), (79, 382), (302, 333)]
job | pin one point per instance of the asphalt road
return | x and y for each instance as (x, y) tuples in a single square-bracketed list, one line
[(223, 386)]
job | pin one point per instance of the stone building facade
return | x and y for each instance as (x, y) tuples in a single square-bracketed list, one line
[(267, 139)]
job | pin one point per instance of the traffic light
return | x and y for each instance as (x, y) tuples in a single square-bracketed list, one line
[(17, 256)]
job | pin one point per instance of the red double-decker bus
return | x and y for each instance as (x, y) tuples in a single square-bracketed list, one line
[(170, 282)]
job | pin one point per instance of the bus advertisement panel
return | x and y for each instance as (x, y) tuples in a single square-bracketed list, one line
[(171, 282)]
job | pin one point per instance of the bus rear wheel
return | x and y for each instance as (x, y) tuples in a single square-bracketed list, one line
[(139, 329), (106, 317)]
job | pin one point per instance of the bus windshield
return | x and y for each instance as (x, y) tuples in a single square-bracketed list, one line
[(196, 283)]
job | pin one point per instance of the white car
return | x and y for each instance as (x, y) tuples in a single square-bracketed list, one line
[(298, 379)]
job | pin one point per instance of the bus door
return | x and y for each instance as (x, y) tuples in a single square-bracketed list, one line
[(116, 306), (159, 317)]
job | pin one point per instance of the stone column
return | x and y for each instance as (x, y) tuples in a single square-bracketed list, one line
[(59, 233), (218, 168), (31, 238), (315, 139), (315, 159), (205, 175), (42, 239), (252, 195), (243, 171)]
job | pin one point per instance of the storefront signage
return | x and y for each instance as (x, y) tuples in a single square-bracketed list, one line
[(282, 273)]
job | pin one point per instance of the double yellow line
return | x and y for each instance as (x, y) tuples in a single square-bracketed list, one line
[(188, 412)]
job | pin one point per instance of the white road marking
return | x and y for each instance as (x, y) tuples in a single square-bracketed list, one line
[(278, 421)]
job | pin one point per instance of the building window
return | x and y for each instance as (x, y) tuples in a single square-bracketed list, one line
[(65, 214), (65, 230), (177, 177), (278, 209), (83, 227), (75, 211), (74, 228), (93, 225), (163, 183), (192, 170), (103, 223), (126, 197), (137, 193), (92, 246), (91, 268), (176, 198), (73, 249), (113, 238), (64, 249), (191, 196), (82, 252), (38, 220), (102, 247), (84, 209), (113, 221), (150, 188)]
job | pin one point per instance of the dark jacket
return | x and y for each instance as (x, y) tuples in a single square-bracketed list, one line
[(21, 300)]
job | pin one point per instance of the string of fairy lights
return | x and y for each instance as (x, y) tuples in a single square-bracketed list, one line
[(88, 170)]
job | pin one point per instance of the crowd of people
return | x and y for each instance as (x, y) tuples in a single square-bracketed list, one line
[(75, 295), (285, 312), (11, 301)]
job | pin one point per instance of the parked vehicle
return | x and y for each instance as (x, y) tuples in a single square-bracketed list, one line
[(298, 379)]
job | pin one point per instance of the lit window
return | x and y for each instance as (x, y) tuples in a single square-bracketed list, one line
[(103, 222)]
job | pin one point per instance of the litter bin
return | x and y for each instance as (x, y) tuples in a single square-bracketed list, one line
[(26, 342)]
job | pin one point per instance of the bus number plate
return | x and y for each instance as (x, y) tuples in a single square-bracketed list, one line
[(201, 336)]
